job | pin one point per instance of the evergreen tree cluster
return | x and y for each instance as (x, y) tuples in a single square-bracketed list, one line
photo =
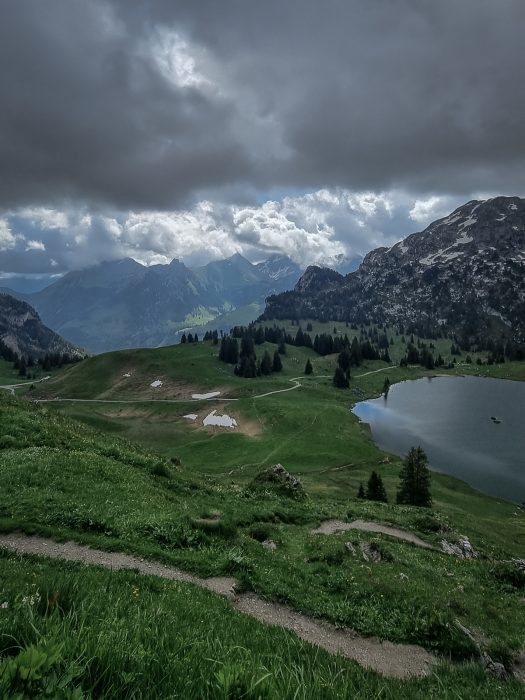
[(229, 350), (190, 338), (372, 345), (414, 482), (49, 361), (245, 359), (213, 336)]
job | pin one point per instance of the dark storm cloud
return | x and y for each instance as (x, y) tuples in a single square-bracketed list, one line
[(422, 95)]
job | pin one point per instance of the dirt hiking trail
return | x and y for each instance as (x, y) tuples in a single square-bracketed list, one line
[(332, 527), (388, 659)]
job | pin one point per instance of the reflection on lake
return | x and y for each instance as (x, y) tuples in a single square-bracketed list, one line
[(452, 418)]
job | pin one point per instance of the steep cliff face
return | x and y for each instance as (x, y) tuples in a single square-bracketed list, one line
[(465, 271), (24, 333)]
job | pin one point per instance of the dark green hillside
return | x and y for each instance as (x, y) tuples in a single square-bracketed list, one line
[(65, 480)]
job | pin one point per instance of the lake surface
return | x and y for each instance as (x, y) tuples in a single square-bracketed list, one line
[(450, 417)]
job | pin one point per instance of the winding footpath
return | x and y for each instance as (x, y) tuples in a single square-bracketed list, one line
[(295, 380), (11, 387), (400, 661)]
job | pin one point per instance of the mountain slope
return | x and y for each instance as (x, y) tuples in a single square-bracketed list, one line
[(23, 332), (465, 271), (123, 304)]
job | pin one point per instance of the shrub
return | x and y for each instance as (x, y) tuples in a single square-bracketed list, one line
[(161, 469)]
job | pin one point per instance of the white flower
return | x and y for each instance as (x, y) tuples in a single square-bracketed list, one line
[(4, 605)]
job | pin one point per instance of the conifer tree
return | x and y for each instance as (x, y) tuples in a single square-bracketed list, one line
[(340, 379), (308, 369), (361, 491), (277, 364), (414, 487), (266, 364), (375, 490)]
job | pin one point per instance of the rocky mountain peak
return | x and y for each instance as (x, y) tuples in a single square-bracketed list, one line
[(465, 271), (316, 279)]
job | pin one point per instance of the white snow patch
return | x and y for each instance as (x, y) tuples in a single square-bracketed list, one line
[(403, 248), (223, 421), (515, 228), (451, 256), (127, 374), (468, 222), (502, 217), (430, 259), (513, 207), (209, 395), (156, 384), (451, 219), (463, 239), (191, 416)]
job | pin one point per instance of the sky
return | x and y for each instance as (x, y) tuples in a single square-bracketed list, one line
[(196, 130)]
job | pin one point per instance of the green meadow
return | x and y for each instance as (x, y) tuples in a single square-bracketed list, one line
[(136, 476)]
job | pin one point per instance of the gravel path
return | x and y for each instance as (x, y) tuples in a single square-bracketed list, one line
[(295, 381), (331, 527), (386, 658), (70, 551)]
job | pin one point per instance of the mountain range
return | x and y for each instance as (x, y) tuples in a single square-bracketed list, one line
[(22, 331), (123, 304), (465, 272)]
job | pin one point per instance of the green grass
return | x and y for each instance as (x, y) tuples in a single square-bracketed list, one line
[(119, 635), (81, 480), (62, 479)]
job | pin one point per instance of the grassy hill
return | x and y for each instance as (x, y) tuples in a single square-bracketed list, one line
[(83, 481)]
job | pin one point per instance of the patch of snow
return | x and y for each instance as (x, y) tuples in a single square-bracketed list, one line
[(468, 222), (127, 374), (191, 416), (430, 259), (452, 219), (513, 207), (403, 248), (515, 228), (209, 395), (451, 256), (223, 421), (463, 239), (502, 217), (156, 384)]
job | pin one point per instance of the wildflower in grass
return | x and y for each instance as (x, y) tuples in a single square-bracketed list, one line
[(4, 605)]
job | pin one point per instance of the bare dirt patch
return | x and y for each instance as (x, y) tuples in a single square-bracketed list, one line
[(331, 527), (251, 428)]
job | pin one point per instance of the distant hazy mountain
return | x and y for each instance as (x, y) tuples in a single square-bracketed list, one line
[(124, 304), (466, 271), (23, 332)]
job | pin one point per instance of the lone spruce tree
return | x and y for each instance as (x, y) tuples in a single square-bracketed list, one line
[(308, 369), (340, 379), (361, 492), (414, 487), (375, 489)]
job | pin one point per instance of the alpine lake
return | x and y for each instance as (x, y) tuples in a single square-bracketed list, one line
[(472, 428)]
